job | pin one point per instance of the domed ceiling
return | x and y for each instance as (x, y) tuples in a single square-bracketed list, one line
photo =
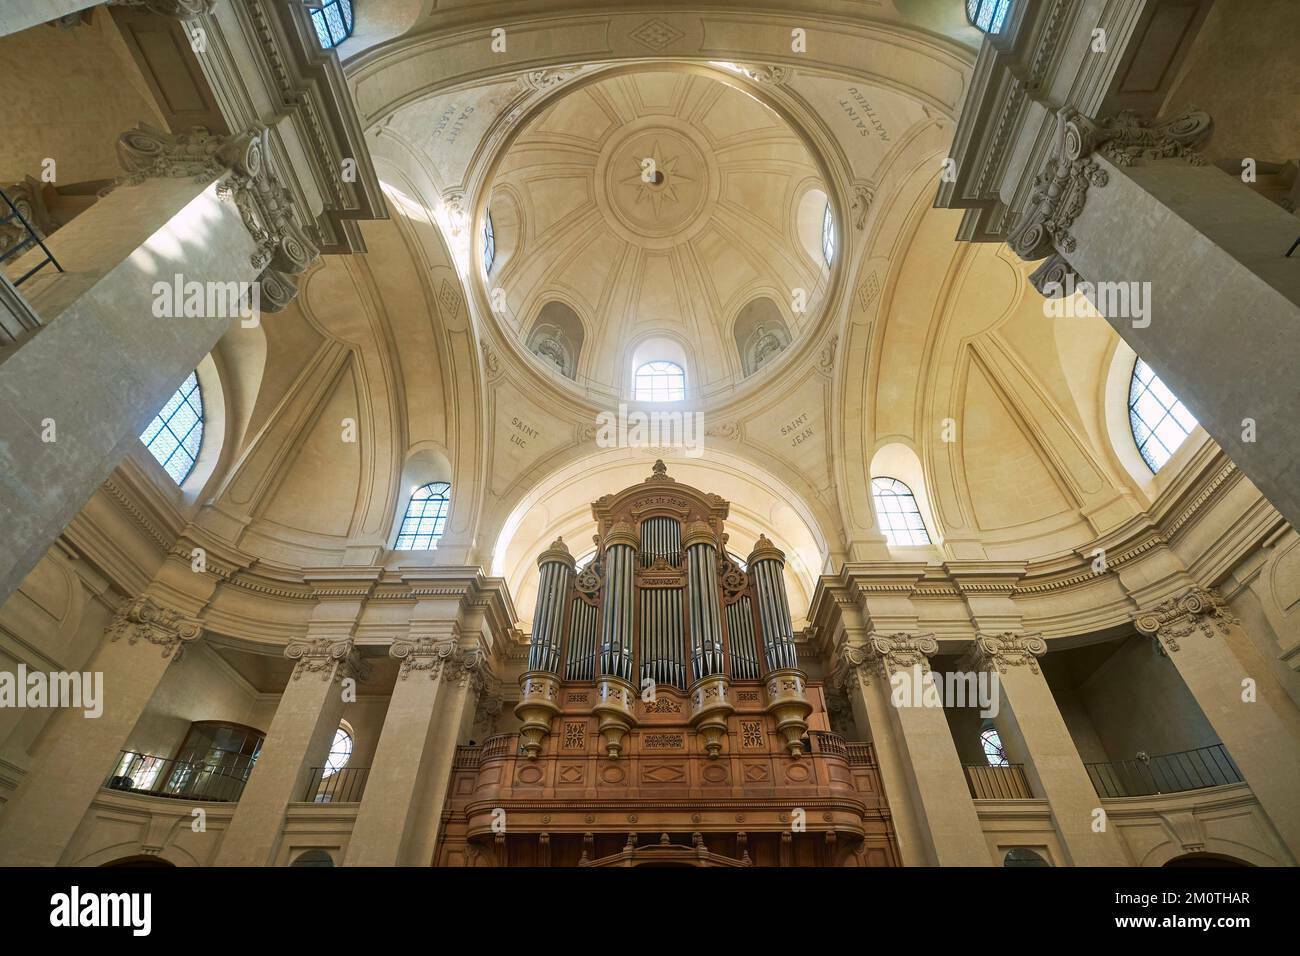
[(655, 207)]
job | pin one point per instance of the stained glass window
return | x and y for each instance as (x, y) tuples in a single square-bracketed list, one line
[(660, 382), (993, 752), (333, 22), (340, 753), (988, 15), (1160, 422), (426, 517), (900, 518), (828, 235), (176, 432), (489, 243)]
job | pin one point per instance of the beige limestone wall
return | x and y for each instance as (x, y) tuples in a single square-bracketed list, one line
[(67, 95)]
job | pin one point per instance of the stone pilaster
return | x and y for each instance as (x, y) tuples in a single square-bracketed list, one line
[(925, 754), (77, 754), (1204, 641), (389, 807), (1028, 715), (298, 741)]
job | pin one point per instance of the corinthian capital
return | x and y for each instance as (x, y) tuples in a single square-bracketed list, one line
[(1061, 189), (883, 654), (327, 659), (1000, 651), (283, 249), (146, 620), (179, 9), (1196, 609), (427, 654)]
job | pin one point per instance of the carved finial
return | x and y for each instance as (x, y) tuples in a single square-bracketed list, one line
[(660, 470), (663, 839)]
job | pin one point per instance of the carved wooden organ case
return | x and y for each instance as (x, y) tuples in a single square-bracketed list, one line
[(662, 605)]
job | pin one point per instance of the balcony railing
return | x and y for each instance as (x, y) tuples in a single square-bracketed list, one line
[(1165, 773), (998, 783), (825, 742), (336, 786), (183, 780), (17, 236), (861, 754)]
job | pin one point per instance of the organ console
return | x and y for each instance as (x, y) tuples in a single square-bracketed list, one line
[(663, 716), (662, 604)]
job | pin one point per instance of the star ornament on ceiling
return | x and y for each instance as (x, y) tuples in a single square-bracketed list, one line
[(656, 180)]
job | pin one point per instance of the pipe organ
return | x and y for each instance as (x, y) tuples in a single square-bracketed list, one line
[(665, 605), (663, 716)]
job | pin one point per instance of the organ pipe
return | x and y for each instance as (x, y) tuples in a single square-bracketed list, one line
[(766, 567), (704, 601), (556, 568)]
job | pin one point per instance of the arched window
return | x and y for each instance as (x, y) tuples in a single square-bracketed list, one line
[(988, 15), (426, 517), (176, 432), (340, 753), (333, 22), (1160, 422), (828, 235), (993, 750), (660, 382), (489, 243), (897, 512), (1022, 856)]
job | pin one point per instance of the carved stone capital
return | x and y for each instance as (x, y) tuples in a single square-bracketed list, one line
[(882, 655), (469, 669), (327, 659), (1196, 609), (425, 654), (143, 619), (1061, 189), (1001, 651), (1053, 276), (178, 9), (283, 248)]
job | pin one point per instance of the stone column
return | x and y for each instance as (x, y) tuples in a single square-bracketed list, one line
[(1127, 201), (197, 210), (1198, 634), (937, 788), (389, 807), (299, 739), (77, 753), (1053, 765)]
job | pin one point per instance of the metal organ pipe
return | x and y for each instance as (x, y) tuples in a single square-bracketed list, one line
[(616, 619), (766, 564), (704, 600), (556, 568)]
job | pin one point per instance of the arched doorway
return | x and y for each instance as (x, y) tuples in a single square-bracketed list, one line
[(1189, 860)]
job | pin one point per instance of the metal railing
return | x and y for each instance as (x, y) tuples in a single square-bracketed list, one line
[(183, 780), (1165, 773), (12, 217), (336, 786), (998, 783)]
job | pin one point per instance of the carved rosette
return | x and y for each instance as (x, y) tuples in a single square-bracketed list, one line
[(283, 248), (539, 693), (146, 620), (710, 707), (998, 652), (423, 654), (327, 659), (1196, 609), (787, 702), (613, 708), (1061, 189)]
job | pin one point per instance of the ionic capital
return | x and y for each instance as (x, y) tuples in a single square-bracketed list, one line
[(882, 655), (144, 619), (177, 9), (998, 652), (426, 654), (326, 658), (1196, 609)]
